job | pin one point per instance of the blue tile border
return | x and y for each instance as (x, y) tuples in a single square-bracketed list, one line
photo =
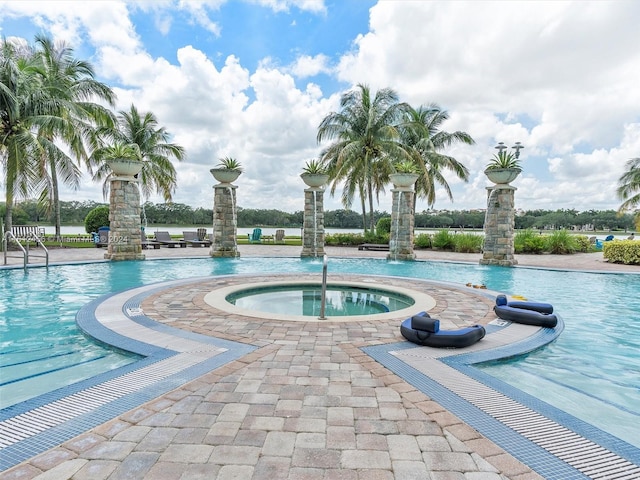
[(537, 458)]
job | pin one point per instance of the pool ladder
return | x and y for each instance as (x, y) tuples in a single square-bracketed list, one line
[(8, 235), (323, 294)]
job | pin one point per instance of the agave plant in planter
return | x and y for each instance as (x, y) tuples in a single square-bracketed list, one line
[(503, 168), (314, 173), (228, 170), (405, 174), (123, 159)]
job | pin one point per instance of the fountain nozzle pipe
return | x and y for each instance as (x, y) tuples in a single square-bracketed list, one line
[(323, 294)]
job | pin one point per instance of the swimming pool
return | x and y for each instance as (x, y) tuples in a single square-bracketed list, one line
[(591, 371)]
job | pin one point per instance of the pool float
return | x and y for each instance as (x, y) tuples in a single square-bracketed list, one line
[(528, 313), (424, 330)]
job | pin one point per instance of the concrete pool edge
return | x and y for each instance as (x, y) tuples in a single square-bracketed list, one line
[(217, 298)]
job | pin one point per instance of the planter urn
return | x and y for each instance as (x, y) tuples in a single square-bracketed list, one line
[(315, 180), (125, 169), (225, 175), (403, 180), (502, 176)]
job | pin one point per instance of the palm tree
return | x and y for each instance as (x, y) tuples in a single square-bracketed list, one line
[(629, 187), (421, 136), (158, 173), (71, 85), (22, 110), (366, 142)]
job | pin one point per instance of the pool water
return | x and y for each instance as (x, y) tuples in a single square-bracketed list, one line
[(592, 370), (306, 301)]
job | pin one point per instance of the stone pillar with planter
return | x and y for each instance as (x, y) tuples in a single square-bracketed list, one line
[(225, 224), (499, 227), (499, 224), (313, 221), (402, 218), (125, 239)]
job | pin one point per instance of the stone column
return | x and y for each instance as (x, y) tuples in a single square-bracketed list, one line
[(225, 242), (402, 222), (499, 226), (313, 223), (124, 218)]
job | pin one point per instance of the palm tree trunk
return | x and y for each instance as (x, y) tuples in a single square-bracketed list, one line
[(371, 219), (56, 199), (8, 222)]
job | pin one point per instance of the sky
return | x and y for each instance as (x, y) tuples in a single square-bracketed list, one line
[(253, 79)]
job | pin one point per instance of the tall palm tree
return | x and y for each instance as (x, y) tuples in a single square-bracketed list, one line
[(629, 187), (421, 136), (158, 173), (365, 137), (22, 110), (70, 83)]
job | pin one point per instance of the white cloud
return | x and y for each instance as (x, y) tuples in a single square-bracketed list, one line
[(308, 66), (314, 6), (558, 76)]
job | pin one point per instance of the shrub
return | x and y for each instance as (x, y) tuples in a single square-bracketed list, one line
[(582, 243), (383, 226), (338, 239), (468, 243), (371, 237), (528, 241), (560, 242), (443, 240), (96, 218), (422, 240), (622, 251)]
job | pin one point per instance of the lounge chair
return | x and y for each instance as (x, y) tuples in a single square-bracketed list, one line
[(192, 239), (600, 243), (279, 238), (146, 243), (256, 236), (380, 247), (165, 239)]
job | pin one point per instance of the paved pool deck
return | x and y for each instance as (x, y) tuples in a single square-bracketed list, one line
[(306, 400)]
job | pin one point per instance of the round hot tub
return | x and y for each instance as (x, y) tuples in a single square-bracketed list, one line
[(340, 300), (344, 301)]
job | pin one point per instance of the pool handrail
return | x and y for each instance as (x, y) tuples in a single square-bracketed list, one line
[(25, 252)]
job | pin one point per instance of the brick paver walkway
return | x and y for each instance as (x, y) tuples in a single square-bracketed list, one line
[(307, 404)]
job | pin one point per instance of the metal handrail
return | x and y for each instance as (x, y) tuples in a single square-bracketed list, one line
[(323, 294), (25, 255), (25, 252), (44, 249)]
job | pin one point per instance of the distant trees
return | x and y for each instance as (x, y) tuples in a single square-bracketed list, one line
[(568, 219), (74, 213)]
